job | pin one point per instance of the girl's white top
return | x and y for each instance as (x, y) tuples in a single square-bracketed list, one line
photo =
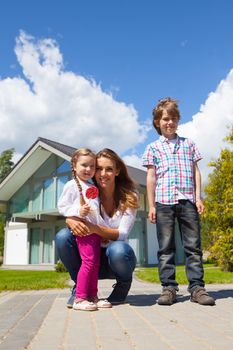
[(69, 202), (69, 205)]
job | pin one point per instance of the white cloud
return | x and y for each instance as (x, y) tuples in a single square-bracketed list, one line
[(61, 105), (209, 127)]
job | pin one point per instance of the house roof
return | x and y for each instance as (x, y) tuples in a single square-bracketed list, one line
[(59, 146), (35, 156)]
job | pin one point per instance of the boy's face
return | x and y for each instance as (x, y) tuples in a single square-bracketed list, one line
[(168, 125)]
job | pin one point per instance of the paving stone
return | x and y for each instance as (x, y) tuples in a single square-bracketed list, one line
[(38, 320)]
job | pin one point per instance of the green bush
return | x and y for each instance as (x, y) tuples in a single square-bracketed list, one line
[(222, 250), (60, 267)]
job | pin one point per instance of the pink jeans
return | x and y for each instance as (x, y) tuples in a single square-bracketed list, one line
[(87, 279)]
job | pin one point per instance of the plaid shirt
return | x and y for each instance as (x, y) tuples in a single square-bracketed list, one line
[(174, 168)]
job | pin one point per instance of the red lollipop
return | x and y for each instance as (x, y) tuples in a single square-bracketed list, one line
[(92, 192)]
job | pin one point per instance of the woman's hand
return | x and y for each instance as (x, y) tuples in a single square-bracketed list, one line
[(77, 226)]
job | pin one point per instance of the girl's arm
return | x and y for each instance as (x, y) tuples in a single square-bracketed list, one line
[(69, 201), (197, 179)]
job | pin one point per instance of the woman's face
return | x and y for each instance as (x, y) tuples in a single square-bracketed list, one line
[(106, 171)]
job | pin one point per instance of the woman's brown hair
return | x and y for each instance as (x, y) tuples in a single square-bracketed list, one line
[(125, 195), (168, 104)]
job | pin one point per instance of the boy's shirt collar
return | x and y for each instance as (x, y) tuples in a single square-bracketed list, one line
[(164, 139)]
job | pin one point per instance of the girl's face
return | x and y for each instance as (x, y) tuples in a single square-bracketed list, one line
[(168, 125), (106, 171), (85, 167)]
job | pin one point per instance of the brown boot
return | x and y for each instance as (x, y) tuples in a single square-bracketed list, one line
[(200, 296), (167, 297)]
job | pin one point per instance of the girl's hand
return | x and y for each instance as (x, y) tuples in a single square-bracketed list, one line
[(84, 210), (77, 226)]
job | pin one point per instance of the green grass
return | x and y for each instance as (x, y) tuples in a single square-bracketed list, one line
[(212, 275), (25, 280)]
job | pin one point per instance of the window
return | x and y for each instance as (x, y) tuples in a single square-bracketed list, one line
[(47, 246), (42, 190), (64, 167), (20, 201), (61, 181), (34, 255), (48, 194), (41, 246), (36, 196)]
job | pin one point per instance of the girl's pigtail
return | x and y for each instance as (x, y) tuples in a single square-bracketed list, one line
[(82, 200)]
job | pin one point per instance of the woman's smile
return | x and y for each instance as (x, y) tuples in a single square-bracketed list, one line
[(106, 172)]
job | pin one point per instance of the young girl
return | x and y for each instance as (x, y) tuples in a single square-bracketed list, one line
[(80, 199)]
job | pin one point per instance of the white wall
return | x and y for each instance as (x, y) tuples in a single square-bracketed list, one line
[(16, 246), (152, 243)]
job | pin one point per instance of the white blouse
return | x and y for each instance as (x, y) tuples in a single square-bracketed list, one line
[(69, 205), (69, 202), (123, 221)]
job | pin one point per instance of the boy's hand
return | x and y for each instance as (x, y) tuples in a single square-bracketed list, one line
[(84, 210), (200, 206), (152, 215)]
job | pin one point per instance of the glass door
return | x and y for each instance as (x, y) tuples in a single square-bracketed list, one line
[(34, 256), (47, 246)]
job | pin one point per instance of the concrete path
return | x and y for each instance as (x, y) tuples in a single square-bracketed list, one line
[(39, 320)]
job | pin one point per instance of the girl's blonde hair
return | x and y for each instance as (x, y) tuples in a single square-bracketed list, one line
[(80, 152), (125, 195), (168, 104)]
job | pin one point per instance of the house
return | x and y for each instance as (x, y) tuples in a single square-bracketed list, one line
[(28, 197)]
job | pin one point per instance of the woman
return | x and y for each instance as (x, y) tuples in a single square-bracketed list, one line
[(118, 207)]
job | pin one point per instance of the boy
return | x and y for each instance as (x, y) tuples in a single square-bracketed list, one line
[(174, 192)]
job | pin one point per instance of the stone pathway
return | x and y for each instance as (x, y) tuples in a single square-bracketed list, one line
[(38, 320)]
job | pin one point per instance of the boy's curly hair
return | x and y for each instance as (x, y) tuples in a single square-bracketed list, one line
[(170, 105)]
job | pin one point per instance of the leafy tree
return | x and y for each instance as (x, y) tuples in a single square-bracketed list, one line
[(218, 216), (6, 162)]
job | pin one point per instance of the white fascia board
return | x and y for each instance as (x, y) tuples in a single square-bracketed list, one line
[(26, 167), (55, 151)]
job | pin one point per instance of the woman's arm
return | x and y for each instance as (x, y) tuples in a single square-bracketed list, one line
[(78, 226), (110, 234), (121, 232), (83, 228)]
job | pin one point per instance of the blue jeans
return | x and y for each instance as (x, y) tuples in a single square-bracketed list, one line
[(188, 219), (117, 260)]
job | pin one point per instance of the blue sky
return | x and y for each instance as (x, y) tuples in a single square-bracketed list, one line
[(136, 51)]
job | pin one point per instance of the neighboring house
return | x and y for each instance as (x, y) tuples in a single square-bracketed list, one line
[(28, 196)]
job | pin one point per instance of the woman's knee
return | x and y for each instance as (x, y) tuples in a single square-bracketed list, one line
[(120, 250), (63, 237), (121, 259)]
